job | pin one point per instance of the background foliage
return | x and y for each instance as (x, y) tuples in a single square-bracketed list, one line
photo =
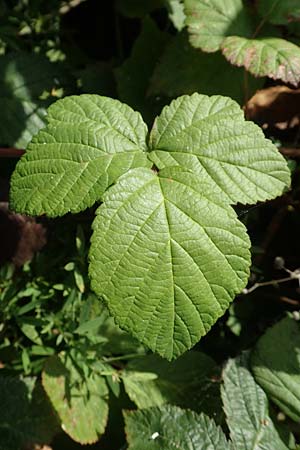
[(69, 375)]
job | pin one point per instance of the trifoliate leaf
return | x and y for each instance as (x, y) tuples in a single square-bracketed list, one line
[(280, 12), (272, 57), (88, 143), (80, 402), (171, 428), (246, 409), (167, 256), (188, 382), (209, 21), (209, 136), (276, 365), (182, 69)]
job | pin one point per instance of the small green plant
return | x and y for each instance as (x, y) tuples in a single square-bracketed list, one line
[(168, 253)]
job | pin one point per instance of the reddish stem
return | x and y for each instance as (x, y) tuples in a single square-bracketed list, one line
[(11, 152)]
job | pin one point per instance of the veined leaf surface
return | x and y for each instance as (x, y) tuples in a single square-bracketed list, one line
[(210, 136), (276, 365), (88, 143), (167, 256), (171, 428), (209, 21), (246, 409), (272, 57)]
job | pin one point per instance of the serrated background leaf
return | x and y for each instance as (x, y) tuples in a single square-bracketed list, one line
[(170, 428), (272, 57), (176, 13), (81, 404), (246, 409), (188, 382), (88, 143), (276, 365), (280, 12), (167, 256), (183, 69), (210, 136), (209, 21)]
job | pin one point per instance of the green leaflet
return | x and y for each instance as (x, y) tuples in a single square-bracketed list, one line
[(171, 428), (272, 57), (246, 409), (88, 143), (80, 402), (188, 382), (161, 255), (209, 21), (276, 365), (210, 136)]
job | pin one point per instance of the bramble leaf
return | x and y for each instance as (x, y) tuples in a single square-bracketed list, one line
[(168, 257), (88, 143), (272, 57), (170, 428), (80, 402), (246, 409), (276, 365), (210, 21), (209, 136)]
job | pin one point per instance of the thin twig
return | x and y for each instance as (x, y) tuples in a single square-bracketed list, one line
[(267, 283), (290, 301)]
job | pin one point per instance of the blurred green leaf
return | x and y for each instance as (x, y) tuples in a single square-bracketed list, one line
[(276, 365), (188, 382), (24, 79), (81, 403), (26, 417), (170, 428), (134, 75), (183, 69)]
